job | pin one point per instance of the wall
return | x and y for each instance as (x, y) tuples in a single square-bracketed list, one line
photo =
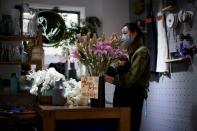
[(112, 13), (115, 15), (156, 4), (172, 105)]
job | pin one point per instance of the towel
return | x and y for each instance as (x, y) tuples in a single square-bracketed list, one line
[(162, 48)]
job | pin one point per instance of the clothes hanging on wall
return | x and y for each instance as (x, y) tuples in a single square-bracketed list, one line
[(162, 47), (151, 41)]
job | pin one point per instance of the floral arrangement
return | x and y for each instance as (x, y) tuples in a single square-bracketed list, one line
[(44, 80), (97, 54)]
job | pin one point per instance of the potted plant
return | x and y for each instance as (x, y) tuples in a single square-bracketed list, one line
[(43, 83)]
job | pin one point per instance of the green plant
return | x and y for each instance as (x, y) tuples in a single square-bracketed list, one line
[(90, 24)]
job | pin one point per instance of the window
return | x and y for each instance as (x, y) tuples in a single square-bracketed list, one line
[(52, 54), (70, 17)]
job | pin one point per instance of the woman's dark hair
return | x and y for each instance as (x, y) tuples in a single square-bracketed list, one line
[(139, 39), (133, 27)]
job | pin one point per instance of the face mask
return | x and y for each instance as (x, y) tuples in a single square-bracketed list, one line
[(127, 39)]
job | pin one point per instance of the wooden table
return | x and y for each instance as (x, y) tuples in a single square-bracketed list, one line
[(50, 114)]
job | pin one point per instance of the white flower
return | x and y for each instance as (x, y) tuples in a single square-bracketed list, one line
[(48, 78), (45, 77), (73, 92), (34, 90)]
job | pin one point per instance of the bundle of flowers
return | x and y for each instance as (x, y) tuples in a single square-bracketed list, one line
[(98, 54), (44, 80)]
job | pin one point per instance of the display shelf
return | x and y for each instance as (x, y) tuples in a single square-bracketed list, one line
[(16, 38), (185, 59), (22, 99), (37, 43), (37, 63), (11, 62)]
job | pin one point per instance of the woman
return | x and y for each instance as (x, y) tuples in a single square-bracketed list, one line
[(132, 79)]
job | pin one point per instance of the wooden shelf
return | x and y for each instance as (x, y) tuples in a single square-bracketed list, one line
[(16, 38), (37, 42), (168, 8), (186, 59), (11, 62)]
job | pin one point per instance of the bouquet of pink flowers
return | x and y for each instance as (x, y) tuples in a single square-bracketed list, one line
[(98, 54)]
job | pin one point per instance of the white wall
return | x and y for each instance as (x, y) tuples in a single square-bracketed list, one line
[(112, 13), (115, 15)]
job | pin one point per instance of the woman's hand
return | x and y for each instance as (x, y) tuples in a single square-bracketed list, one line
[(109, 79)]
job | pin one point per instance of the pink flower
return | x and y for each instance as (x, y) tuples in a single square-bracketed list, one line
[(98, 54), (75, 53)]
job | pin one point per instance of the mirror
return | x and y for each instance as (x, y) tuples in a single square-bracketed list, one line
[(53, 27)]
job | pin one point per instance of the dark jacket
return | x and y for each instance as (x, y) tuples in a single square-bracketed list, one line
[(138, 72)]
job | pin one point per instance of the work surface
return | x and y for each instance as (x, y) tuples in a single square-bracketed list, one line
[(50, 114)]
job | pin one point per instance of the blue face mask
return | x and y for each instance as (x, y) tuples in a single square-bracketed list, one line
[(127, 39)]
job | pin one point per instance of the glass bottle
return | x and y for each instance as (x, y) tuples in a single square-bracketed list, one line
[(14, 85)]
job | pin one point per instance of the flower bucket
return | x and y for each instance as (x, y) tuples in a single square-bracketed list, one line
[(58, 97), (58, 92), (45, 98)]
